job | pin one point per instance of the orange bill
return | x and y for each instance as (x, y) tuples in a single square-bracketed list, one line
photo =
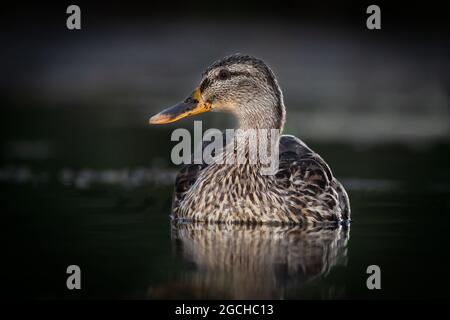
[(191, 106)]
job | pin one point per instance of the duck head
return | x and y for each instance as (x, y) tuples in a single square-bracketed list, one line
[(240, 84)]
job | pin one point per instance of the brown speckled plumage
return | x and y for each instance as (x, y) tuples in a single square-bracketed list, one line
[(303, 191)]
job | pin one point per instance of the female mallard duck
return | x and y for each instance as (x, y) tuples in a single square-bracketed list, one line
[(303, 190)]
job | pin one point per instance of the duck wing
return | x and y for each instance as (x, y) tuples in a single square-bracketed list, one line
[(319, 193), (186, 177)]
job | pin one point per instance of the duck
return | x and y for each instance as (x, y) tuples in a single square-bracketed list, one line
[(301, 191)]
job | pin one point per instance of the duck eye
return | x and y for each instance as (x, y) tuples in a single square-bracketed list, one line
[(224, 74)]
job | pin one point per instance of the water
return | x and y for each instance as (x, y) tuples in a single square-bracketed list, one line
[(93, 200)]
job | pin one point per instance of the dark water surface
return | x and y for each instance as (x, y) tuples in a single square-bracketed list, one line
[(86, 199)]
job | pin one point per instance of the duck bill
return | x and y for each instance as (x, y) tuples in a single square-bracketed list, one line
[(193, 105)]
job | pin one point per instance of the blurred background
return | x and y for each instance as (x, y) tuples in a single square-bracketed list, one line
[(85, 180)]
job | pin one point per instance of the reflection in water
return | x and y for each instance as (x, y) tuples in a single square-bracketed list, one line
[(252, 262)]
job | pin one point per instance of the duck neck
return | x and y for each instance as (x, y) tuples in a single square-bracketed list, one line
[(262, 114), (256, 141), (254, 150)]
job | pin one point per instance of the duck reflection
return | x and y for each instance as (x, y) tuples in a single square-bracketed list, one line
[(252, 262)]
